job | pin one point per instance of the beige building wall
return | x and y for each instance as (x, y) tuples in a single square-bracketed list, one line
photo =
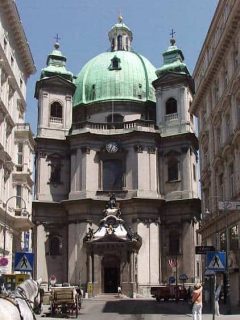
[(16, 139), (216, 104)]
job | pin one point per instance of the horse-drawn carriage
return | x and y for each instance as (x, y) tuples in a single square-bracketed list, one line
[(65, 300)]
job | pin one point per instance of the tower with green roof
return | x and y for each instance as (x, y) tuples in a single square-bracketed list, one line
[(178, 150), (54, 91), (174, 91)]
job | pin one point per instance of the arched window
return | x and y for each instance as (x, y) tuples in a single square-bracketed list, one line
[(119, 39), (115, 117), (56, 112), (173, 169), (55, 246), (113, 44), (171, 106)]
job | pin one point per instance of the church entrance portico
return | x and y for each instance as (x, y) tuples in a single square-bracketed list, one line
[(111, 249)]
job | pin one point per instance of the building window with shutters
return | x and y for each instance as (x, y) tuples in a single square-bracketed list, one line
[(18, 196), (19, 165)]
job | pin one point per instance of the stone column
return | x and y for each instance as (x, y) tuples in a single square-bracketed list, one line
[(154, 253), (97, 275), (73, 170), (78, 171), (68, 112)]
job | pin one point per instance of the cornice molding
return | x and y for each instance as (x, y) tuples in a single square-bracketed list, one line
[(10, 11), (229, 28)]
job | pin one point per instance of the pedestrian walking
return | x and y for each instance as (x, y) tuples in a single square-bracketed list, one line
[(217, 296), (119, 290), (197, 302), (2, 286)]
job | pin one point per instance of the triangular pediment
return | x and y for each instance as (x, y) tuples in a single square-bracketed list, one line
[(53, 82), (173, 78)]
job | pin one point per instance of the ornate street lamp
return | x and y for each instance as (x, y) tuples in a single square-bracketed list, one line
[(5, 219)]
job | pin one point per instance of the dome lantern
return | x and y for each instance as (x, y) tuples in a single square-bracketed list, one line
[(120, 36)]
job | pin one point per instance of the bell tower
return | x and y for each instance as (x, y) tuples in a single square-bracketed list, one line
[(178, 156), (54, 92)]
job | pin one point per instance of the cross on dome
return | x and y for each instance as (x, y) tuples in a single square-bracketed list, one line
[(172, 40), (57, 38), (120, 18), (172, 33)]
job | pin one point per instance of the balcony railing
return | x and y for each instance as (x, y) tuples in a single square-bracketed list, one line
[(56, 120), (23, 126), (172, 116), (114, 125)]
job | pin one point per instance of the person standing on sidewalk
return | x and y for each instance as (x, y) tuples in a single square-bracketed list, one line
[(217, 295), (197, 302)]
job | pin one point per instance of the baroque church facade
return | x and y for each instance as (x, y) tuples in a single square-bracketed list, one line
[(116, 200)]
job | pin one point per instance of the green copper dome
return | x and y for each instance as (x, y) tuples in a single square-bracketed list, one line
[(117, 75)]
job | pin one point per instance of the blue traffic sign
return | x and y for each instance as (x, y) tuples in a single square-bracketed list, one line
[(183, 277), (171, 279), (24, 261), (216, 261)]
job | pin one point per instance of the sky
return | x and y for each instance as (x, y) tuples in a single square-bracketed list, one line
[(83, 26)]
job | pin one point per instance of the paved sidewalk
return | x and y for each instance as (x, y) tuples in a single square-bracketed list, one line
[(150, 310)]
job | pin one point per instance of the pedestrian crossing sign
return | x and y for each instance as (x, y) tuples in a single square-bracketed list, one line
[(216, 261), (24, 261)]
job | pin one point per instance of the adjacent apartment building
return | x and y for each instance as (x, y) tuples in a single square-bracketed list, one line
[(16, 139), (217, 106)]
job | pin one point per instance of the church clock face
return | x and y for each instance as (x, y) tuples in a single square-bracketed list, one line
[(112, 147)]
